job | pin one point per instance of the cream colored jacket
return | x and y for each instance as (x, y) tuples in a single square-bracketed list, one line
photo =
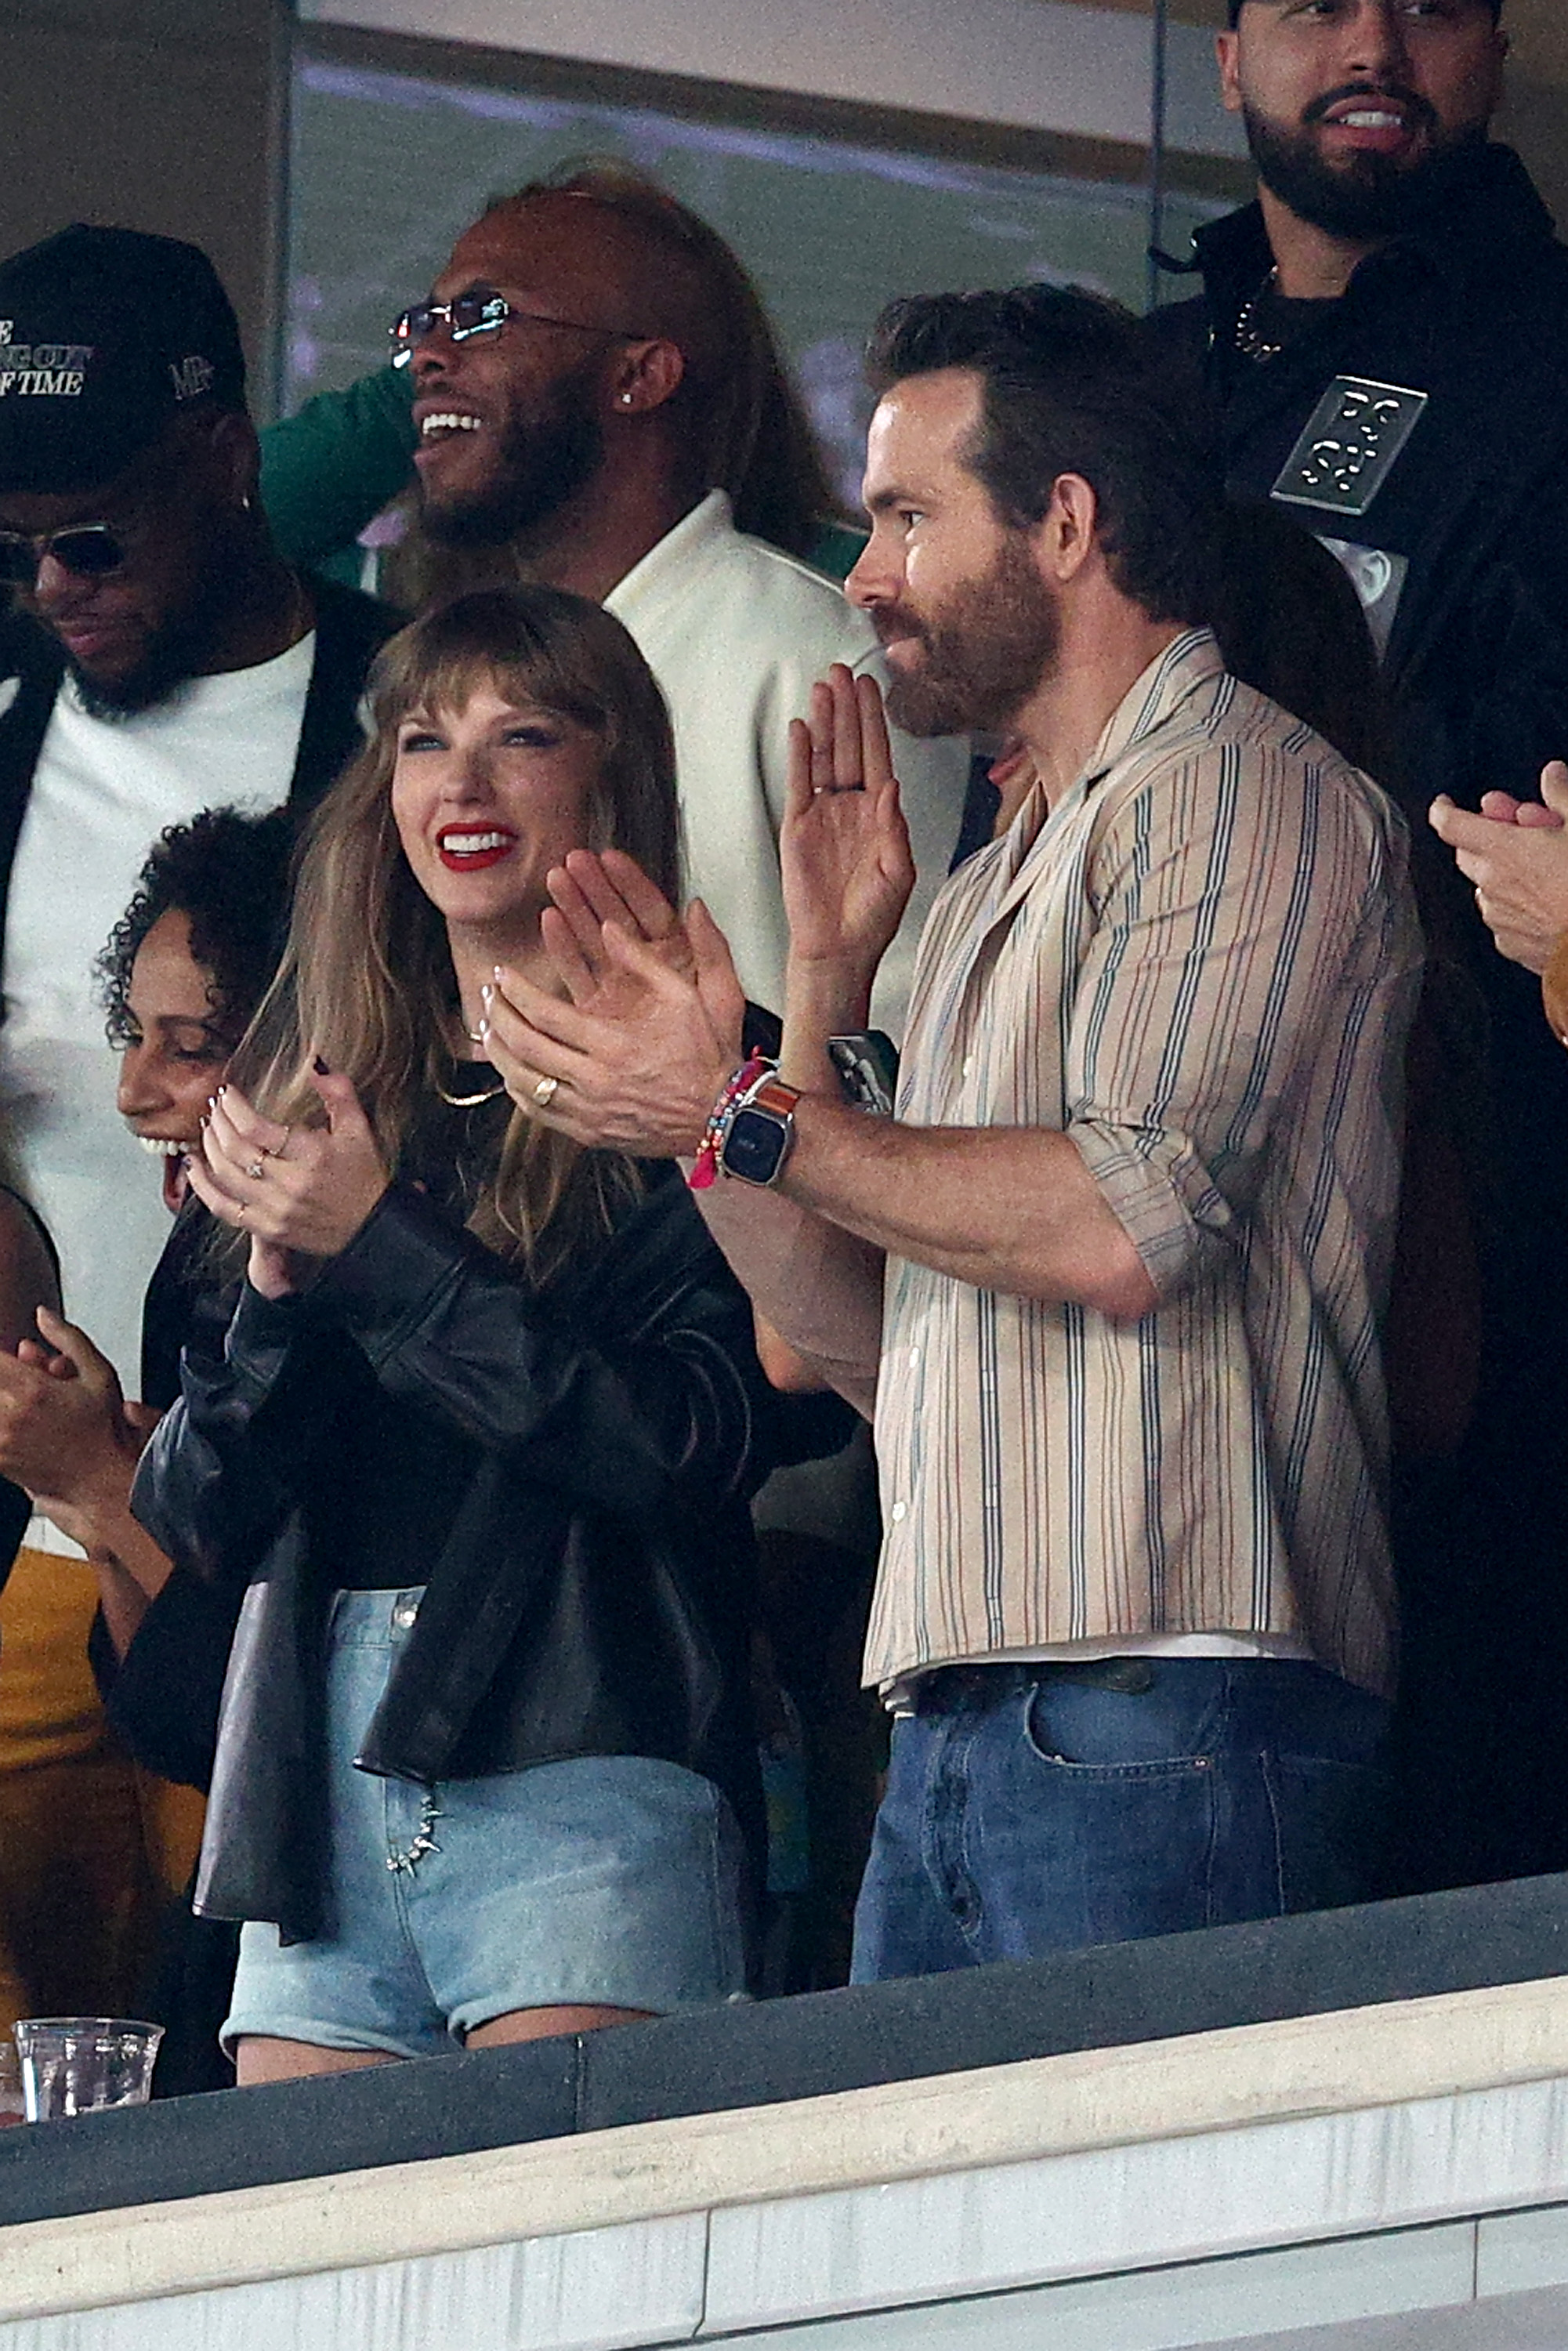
[(736, 632)]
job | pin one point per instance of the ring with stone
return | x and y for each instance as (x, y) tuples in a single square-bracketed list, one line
[(256, 1170), (545, 1091)]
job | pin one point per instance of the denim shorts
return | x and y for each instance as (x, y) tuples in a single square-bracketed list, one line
[(611, 1881)]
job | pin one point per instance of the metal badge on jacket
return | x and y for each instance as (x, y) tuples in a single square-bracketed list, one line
[(1353, 441)]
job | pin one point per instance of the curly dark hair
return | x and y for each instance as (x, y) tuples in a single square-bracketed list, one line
[(228, 873)]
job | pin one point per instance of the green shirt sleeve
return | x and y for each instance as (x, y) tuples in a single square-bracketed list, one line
[(327, 471)]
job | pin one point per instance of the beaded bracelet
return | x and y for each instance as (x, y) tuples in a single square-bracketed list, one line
[(705, 1166)]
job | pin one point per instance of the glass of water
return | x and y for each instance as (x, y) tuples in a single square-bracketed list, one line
[(10, 2084), (80, 2064)]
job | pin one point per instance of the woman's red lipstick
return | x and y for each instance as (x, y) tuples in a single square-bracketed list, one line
[(469, 849)]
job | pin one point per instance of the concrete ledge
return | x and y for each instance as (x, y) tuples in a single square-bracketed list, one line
[(1329, 2064)]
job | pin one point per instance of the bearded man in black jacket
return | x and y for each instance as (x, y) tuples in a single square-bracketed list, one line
[(1381, 342), (1382, 339)]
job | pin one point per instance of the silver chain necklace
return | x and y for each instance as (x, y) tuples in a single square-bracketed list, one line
[(1250, 342)]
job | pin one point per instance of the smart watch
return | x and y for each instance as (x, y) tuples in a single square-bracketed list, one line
[(759, 1132)]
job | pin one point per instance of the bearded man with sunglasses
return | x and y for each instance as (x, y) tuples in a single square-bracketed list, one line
[(1382, 342), (157, 658)]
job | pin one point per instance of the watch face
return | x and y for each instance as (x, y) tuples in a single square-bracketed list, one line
[(755, 1146)]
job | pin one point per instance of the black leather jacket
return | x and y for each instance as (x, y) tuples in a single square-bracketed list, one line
[(591, 1591)]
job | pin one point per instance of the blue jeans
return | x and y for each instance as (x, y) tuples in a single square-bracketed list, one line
[(1042, 1808)]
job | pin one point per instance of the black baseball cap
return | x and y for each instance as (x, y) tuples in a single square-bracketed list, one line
[(105, 334)]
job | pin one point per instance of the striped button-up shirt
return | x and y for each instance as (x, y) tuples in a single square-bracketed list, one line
[(1201, 966)]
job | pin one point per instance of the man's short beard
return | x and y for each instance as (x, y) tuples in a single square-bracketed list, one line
[(986, 652), (542, 465), (183, 646), (176, 654), (1364, 200)]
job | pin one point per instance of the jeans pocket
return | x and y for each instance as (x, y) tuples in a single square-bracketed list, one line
[(1088, 1731), (1093, 1846), (1332, 1823)]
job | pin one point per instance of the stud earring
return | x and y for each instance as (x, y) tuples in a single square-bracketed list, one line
[(625, 400)]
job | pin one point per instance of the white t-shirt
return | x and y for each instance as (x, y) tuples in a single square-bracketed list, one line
[(102, 792)]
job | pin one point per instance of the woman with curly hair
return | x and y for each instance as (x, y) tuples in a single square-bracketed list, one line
[(93, 1845), (207, 919), (184, 969)]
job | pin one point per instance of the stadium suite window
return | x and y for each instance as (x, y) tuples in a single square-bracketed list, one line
[(389, 166)]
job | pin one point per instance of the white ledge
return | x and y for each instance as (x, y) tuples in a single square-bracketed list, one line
[(1055, 2106)]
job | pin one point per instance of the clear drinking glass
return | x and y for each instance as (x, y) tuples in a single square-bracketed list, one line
[(10, 2084), (78, 2065)]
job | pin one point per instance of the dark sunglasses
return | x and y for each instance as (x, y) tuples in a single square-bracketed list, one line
[(478, 314), (87, 549)]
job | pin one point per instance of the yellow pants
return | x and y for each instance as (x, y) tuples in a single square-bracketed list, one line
[(91, 1846)]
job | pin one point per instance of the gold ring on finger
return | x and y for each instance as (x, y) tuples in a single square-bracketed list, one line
[(545, 1091)]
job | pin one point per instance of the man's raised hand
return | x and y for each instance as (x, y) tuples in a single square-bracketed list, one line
[(844, 846)]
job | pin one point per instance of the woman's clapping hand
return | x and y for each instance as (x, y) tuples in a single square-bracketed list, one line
[(651, 1026), (67, 1434), (300, 1192)]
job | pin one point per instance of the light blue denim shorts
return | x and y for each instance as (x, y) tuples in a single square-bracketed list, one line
[(606, 1881)]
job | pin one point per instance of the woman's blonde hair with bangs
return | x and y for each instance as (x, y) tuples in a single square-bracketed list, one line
[(366, 980)]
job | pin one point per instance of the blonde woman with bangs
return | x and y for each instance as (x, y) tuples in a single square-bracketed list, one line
[(478, 1437)]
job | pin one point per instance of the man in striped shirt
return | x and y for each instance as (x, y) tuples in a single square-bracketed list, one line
[(1114, 1271)]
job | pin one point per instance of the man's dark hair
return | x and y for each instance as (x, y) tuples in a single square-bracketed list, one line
[(1235, 7), (747, 426), (1067, 390), (228, 874)]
